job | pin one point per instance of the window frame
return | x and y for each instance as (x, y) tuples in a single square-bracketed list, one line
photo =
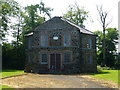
[(44, 62)]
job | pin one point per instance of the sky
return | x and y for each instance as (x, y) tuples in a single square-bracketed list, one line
[(61, 6)]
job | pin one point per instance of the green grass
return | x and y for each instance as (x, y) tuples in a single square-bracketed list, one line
[(108, 75), (7, 73), (6, 87)]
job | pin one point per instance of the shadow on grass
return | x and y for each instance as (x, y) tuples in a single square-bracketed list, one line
[(64, 73)]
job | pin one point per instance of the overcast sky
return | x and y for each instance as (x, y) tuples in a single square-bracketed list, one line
[(61, 6)]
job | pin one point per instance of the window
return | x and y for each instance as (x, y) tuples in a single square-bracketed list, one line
[(67, 57), (55, 40), (66, 39), (89, 44), (44, 59), (89, 59), (44, 40)]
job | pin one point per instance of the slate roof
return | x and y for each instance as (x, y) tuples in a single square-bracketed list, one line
[(82, 30)]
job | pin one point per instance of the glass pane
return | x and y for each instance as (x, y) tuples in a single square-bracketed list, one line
[(44, 57)]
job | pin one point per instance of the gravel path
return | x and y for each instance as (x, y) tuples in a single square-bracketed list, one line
[(50, 81)]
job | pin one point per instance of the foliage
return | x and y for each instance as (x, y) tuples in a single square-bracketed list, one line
[(108, 75), (100, 69), (9, 9), (33, 15), (11, 72), (111, 41), (103, 21), (13, 54), (13, 57), (76, 14)]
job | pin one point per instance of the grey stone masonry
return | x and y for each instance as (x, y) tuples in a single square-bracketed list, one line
[(60, 45)]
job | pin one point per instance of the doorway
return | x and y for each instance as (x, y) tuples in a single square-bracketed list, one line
[(55, 61)]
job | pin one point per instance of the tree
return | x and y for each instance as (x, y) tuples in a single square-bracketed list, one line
[(9, 9), (76, 14), (33, 15), (103, 18), (110, 48)]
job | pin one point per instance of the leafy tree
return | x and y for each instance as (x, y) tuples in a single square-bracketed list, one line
[(13, 57), (9, 9), (111, 41), (13, 54), (33, 15), (76, 14)]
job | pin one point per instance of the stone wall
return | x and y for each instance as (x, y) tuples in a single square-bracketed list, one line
[(78, 46)]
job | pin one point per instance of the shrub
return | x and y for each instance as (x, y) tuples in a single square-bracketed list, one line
[(99, 69)]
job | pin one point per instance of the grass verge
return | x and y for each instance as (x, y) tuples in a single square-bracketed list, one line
[(108, 75), (7, 73)]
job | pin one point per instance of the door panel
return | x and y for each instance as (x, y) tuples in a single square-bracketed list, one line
[(58, 61), (52, 61), (55, 61)]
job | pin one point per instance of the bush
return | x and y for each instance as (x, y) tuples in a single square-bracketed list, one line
[(99, 69)]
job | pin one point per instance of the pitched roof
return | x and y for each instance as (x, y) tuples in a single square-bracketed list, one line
[(82, 30)]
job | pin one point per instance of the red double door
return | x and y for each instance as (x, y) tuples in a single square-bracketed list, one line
[(55, 61)]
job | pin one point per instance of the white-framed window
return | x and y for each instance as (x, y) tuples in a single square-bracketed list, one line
[(90, 59), (44, 58), (67, 58)]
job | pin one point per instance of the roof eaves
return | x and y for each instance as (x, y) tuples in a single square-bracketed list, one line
[(83, 30), (29, 34)]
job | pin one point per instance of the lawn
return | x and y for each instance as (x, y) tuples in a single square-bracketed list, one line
[(6, 87), (7, 73), (108, 75)]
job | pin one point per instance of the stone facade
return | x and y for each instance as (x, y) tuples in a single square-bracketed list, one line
[(60, 45)]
